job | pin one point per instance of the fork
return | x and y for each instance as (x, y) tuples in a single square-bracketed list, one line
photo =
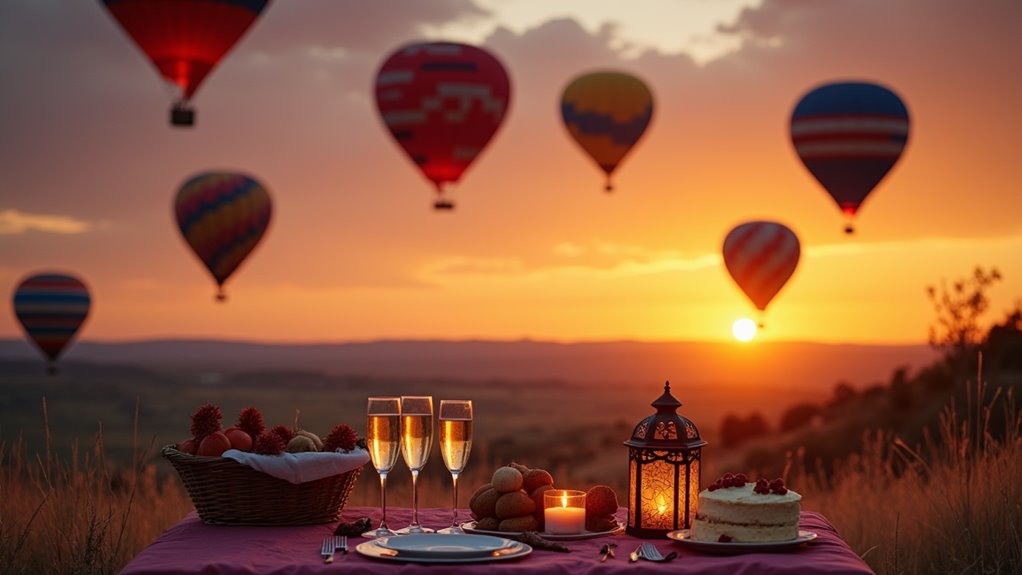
[(329, 546), (342, 543), (650, 553)]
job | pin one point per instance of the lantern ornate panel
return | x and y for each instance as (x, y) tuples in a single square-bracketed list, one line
[(663, 470)]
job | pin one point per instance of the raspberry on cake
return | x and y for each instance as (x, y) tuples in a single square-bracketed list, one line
[(731, 509)]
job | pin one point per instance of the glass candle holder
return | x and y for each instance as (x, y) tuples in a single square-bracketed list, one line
[(564, 511)]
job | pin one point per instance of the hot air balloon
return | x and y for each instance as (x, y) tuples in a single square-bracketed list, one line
[(849, 135), (51, 308), (761, 256), (185, 39), (607, 113), (442, 102), (222, 216)]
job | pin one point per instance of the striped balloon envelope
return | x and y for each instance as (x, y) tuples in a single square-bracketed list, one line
[(222, 216), (51, 308), (849, 135), (607, 113), (185, 39), (442, 102), (761, 256)]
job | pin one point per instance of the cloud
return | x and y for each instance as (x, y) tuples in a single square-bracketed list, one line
[(13, 222)]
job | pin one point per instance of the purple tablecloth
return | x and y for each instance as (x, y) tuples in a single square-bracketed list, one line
[(190, 547)]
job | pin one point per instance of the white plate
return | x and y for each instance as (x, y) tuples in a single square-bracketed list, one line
[(373, 550), (684, 536), (470, 527), (445, 545)]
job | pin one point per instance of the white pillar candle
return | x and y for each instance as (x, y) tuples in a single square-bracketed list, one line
[(564, 512)]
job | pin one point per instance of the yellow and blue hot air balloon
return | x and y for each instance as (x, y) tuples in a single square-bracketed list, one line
[(222, 216), (607, 113), (51, 308)]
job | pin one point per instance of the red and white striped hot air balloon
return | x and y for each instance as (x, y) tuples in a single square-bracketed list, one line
[(761, 256)]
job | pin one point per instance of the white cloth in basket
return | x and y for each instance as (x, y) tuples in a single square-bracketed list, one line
[(302, 467)]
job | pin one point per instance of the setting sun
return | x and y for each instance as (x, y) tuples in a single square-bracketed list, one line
[(744, 329)]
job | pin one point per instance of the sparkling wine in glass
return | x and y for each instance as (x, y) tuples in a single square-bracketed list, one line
[(455, 445), (383, 440), (416, 442)]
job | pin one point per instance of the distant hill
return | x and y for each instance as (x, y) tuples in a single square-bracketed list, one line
[(779, 365)]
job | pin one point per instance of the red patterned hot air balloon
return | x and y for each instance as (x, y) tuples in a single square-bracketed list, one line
[(51, 308), (222, 216), (185, 39), (761, 256), (849, 135), (442, 102)]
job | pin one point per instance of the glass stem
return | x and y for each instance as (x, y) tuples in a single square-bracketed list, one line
[(415, 498), (383, 500), (454, 483)]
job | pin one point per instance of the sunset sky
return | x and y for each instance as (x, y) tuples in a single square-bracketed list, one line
[(535, 248)]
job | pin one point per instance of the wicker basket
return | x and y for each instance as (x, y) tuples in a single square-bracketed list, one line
[(226, 492)]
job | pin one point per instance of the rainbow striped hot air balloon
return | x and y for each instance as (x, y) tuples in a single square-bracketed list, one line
[(761, 256), (222, 216), (51, 308), (442, 102), (849, 135), (607, 113)]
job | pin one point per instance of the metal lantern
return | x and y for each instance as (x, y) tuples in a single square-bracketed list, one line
[(663, 470)]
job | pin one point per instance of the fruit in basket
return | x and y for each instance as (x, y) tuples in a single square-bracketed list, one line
[(537, 498), (514, 504), (268, 443), (480, 489), (521, 468), (488, 524), (342, 436), (206, 420), (315, 438), (189, 446), (507, 479), (601, 504), (283, 432), (300, 444), (251, 422), (214, 445), (239, 439)]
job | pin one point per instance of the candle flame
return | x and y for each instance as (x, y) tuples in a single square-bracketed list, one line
[(564, 500), (661, 505)]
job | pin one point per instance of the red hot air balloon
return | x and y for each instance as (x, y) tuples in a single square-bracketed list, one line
[(185, 39), (442, 102), (222, 216), (849, 135), (761, 256), (51, 308)]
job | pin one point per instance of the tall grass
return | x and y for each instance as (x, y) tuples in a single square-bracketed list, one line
[(81, 514), (950, 505)]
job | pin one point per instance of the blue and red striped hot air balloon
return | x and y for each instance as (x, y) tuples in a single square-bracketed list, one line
[(761, 256), (849, 135), (442, 102), (51, 308), (607, 113), (185, 39), (222, 216)]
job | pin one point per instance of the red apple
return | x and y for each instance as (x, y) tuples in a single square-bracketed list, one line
[(189, 446), (214, 444), (239, 439)]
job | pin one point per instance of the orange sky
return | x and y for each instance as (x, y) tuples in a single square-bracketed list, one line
[(88, 170)]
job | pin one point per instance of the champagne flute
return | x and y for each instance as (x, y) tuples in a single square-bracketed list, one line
[(455, 445), (383, 439), (416, 442)]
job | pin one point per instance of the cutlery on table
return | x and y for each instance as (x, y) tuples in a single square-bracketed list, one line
[(342, 543), (650, 553), (607, 551), (634, 555), (329, 546)]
